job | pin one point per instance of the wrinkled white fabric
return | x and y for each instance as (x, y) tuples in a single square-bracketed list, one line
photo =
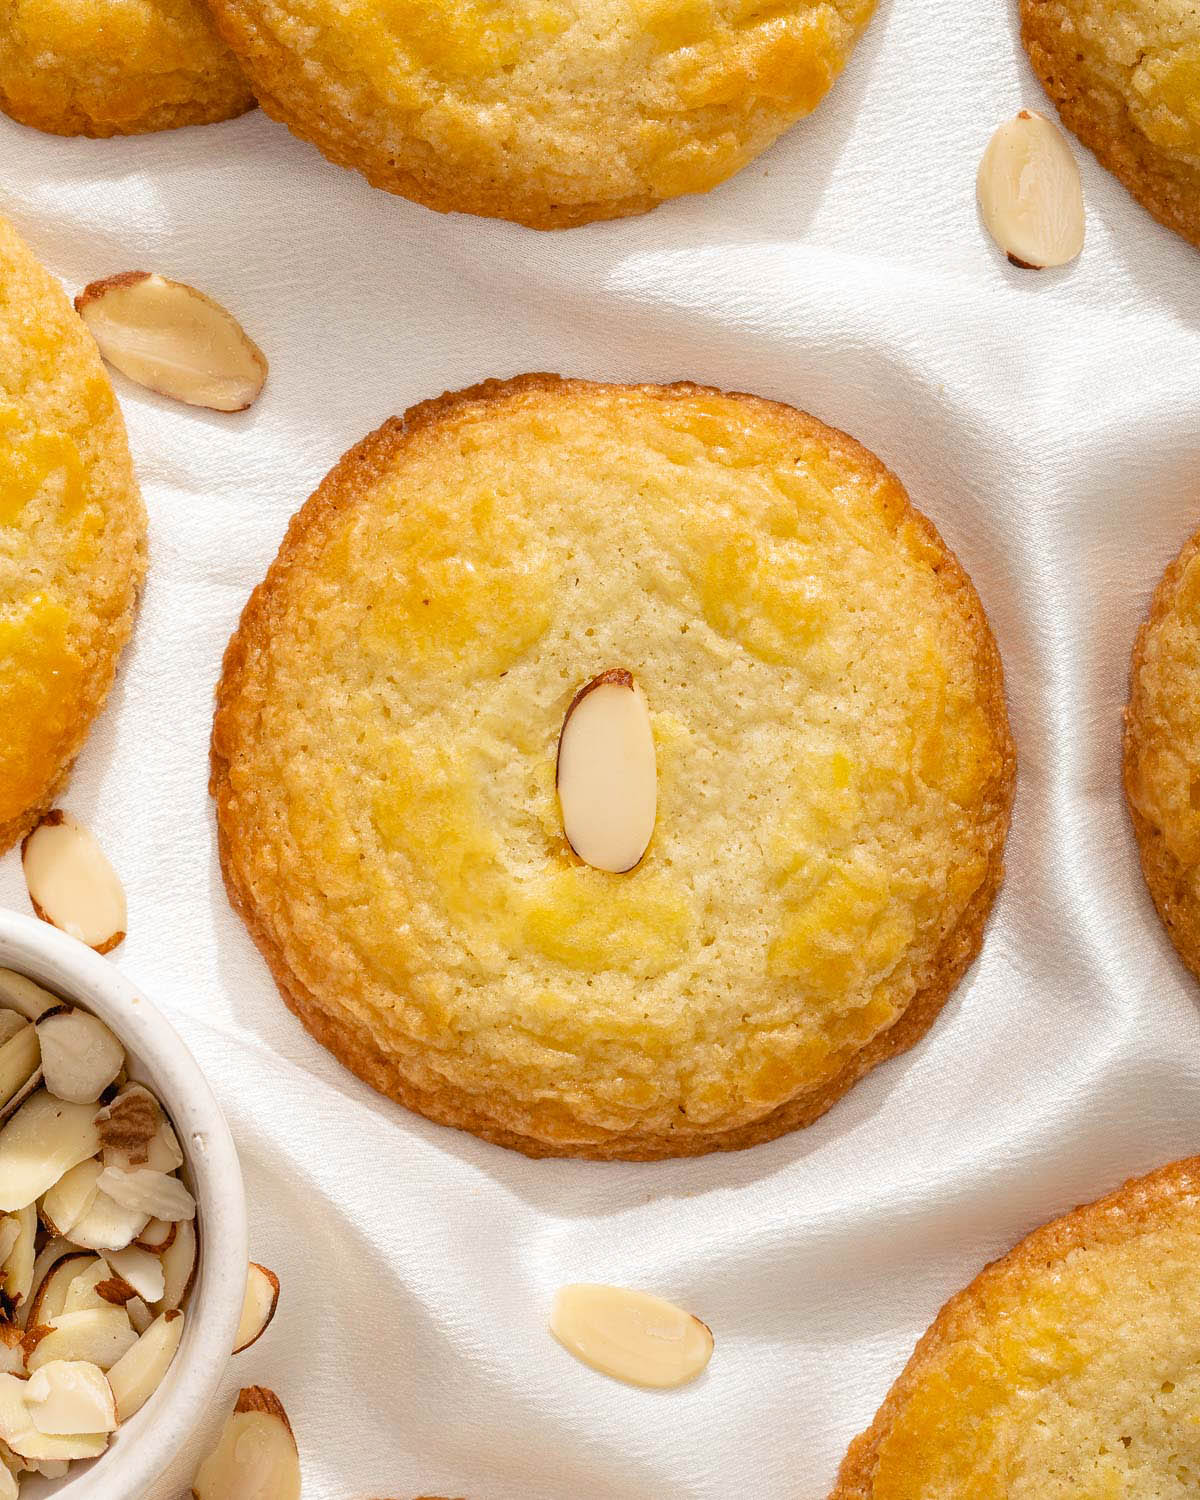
[(1046, 421)]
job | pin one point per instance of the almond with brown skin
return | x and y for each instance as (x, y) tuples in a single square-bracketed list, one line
[(256, 1457), (71, 883)]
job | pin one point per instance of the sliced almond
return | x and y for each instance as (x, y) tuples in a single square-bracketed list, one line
[(99, 1335), (22, 1436), (157, 1195), (140, 1315), (68, 1397), (11, 1021), (43, 1140), (168, 336), (16, 1274), (606, 773), (1030, 193), (71, 1197), (179, 1266), (80, 1055), (49, 1256), (258, 1308), (138, 1374), (71, 883), (12, 1352), (50, 1297), (108, 1225), (256, 1457), (630, 1335), (8, 1484), (20, 1059), (157, 1236), (141, 1269), (83, 1291), (10, 1233), (128, 1126), (22, 994)]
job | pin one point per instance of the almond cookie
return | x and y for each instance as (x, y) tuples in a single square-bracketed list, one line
[(543, 111), (115, 67), (830, 768), (1125, 75), (1065, 1370), (1162, 750), (72, 536)]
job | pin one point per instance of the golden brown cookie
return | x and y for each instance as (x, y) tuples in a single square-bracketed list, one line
[(72, 536), (549, 112), (115, 67), (1065, 1371), (833, 758), (1162, 750), (1125, 75)]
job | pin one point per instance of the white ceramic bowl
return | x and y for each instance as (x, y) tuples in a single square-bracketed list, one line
[(143, 1447)]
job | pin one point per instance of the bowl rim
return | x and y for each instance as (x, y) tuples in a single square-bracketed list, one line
[(70, 968)]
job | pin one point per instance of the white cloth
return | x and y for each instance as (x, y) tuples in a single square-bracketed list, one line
[(1046, 421)]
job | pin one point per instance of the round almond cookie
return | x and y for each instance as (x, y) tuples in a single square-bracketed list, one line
[(116, 67), (1125, 75), (549, 112), (1162, 750), (72, 536), (1065, 1371), (792, 694)]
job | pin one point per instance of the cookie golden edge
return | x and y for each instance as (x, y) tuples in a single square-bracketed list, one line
[(1116, 1217), (1118, 144), (1165, 876), (353, 476), (54, 107), (307, 117), (107, 659)]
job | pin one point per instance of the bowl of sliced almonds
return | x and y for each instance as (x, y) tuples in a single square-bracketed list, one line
[(122, 1227)]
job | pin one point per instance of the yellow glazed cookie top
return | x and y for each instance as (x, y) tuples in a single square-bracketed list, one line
[(833, 758), (545, 111), (1067, 1371), (115, 67), (1126, 76), (71, 534)]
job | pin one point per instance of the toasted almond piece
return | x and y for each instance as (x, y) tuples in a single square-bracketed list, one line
[(42, 1141), (630, 1335), (140, 1315), (606, 774), (20, 1059), (262, 1298), (10, 1233), (8, 1485), (158, 1235), (18, 1431), (11, 1021), (80, 1055), (71, 883), (1030, 193), (168, 336), (179, 1266), (99, 1335), (138, 1374), (108, 1225), (50, 1298), (129, 1125), (67, 1397), (71, 1197), (141, 1269), (22, 994), (12, 1352), (256, 1457), (83, 1289), (155, 1194)]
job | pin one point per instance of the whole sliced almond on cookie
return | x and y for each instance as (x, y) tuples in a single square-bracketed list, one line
[(258, 1308), (1030, 193), (606, 774), (630, 1335), (256, 1457), (71, 883), (172, 338)]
